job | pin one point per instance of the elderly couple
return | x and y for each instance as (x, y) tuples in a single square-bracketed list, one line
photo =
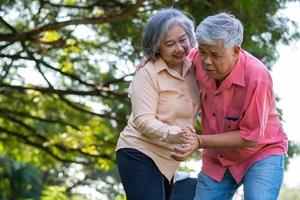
[(241, 138)]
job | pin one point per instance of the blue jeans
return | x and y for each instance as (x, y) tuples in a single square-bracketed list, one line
[(140, 176), (262, 181)]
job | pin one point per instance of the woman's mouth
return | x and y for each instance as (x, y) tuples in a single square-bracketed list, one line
[(179, 56)]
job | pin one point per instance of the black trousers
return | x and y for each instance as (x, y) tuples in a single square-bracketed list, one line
[(140, 177)]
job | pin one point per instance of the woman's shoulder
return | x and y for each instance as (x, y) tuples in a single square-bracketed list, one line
[(153, 67), (146, 73)]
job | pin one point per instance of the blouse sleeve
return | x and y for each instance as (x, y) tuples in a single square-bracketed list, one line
[(144, 101)]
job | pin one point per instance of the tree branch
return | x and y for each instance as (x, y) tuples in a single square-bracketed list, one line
[(102, 92), (32, 35), (72, 76), (37, 65), (8, 25), (72, 105), (106, 84), (6, 45), (44, 139), (88, 7), (5, 71), (27, 127), (46, 120), (47, 150)]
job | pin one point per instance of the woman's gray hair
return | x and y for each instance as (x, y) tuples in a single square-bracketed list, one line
[(224, 27), (160, 23)]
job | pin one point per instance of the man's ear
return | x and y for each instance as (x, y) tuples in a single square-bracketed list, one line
[(236, 51)]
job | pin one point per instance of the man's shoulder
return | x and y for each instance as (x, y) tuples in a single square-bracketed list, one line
[(193, 53), (255, 69)]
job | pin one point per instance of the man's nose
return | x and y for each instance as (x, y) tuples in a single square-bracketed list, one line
[(207, 60)]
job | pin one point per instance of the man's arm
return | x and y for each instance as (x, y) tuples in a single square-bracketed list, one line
[(231, 139)]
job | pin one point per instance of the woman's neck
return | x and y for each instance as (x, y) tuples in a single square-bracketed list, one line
[(178, 68)]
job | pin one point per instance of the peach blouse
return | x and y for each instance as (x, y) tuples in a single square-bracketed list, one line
[(162, 103)]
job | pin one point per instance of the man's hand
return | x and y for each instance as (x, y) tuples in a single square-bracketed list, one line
[(184, 151), (142, 63)]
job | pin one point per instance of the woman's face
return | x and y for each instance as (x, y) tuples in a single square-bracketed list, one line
[(175, 46)]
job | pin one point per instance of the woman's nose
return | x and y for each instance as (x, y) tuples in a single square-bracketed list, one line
[(179, 48)]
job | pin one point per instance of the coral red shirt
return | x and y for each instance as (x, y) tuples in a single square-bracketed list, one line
[(244, 101)]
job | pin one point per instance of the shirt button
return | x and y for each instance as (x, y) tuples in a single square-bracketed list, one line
[(214, 114)]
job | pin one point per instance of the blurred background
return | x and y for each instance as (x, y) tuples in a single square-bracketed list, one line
[(65, 66)]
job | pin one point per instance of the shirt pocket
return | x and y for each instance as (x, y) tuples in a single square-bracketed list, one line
[(231, 120)]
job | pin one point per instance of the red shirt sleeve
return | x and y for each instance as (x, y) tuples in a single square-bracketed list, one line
[(257, 116)]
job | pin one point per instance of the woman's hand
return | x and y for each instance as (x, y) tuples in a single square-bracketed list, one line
[(186, 136), (184, 151)]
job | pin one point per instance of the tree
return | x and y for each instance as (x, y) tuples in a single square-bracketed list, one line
[(65, 67), (23, 181), (290, 193)]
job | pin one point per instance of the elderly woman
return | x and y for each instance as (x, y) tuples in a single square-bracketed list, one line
[(165, 102), (242, 138)]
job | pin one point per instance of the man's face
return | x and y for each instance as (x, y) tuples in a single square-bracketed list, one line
[(217, 60)]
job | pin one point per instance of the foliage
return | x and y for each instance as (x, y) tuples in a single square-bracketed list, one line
[(289, 193), (293, 151), (64, 71), (19, 180)]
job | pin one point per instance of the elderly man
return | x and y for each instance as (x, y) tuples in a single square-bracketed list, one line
[(242, 138)]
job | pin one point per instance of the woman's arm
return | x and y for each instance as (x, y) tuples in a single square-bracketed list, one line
[(144, 99)]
